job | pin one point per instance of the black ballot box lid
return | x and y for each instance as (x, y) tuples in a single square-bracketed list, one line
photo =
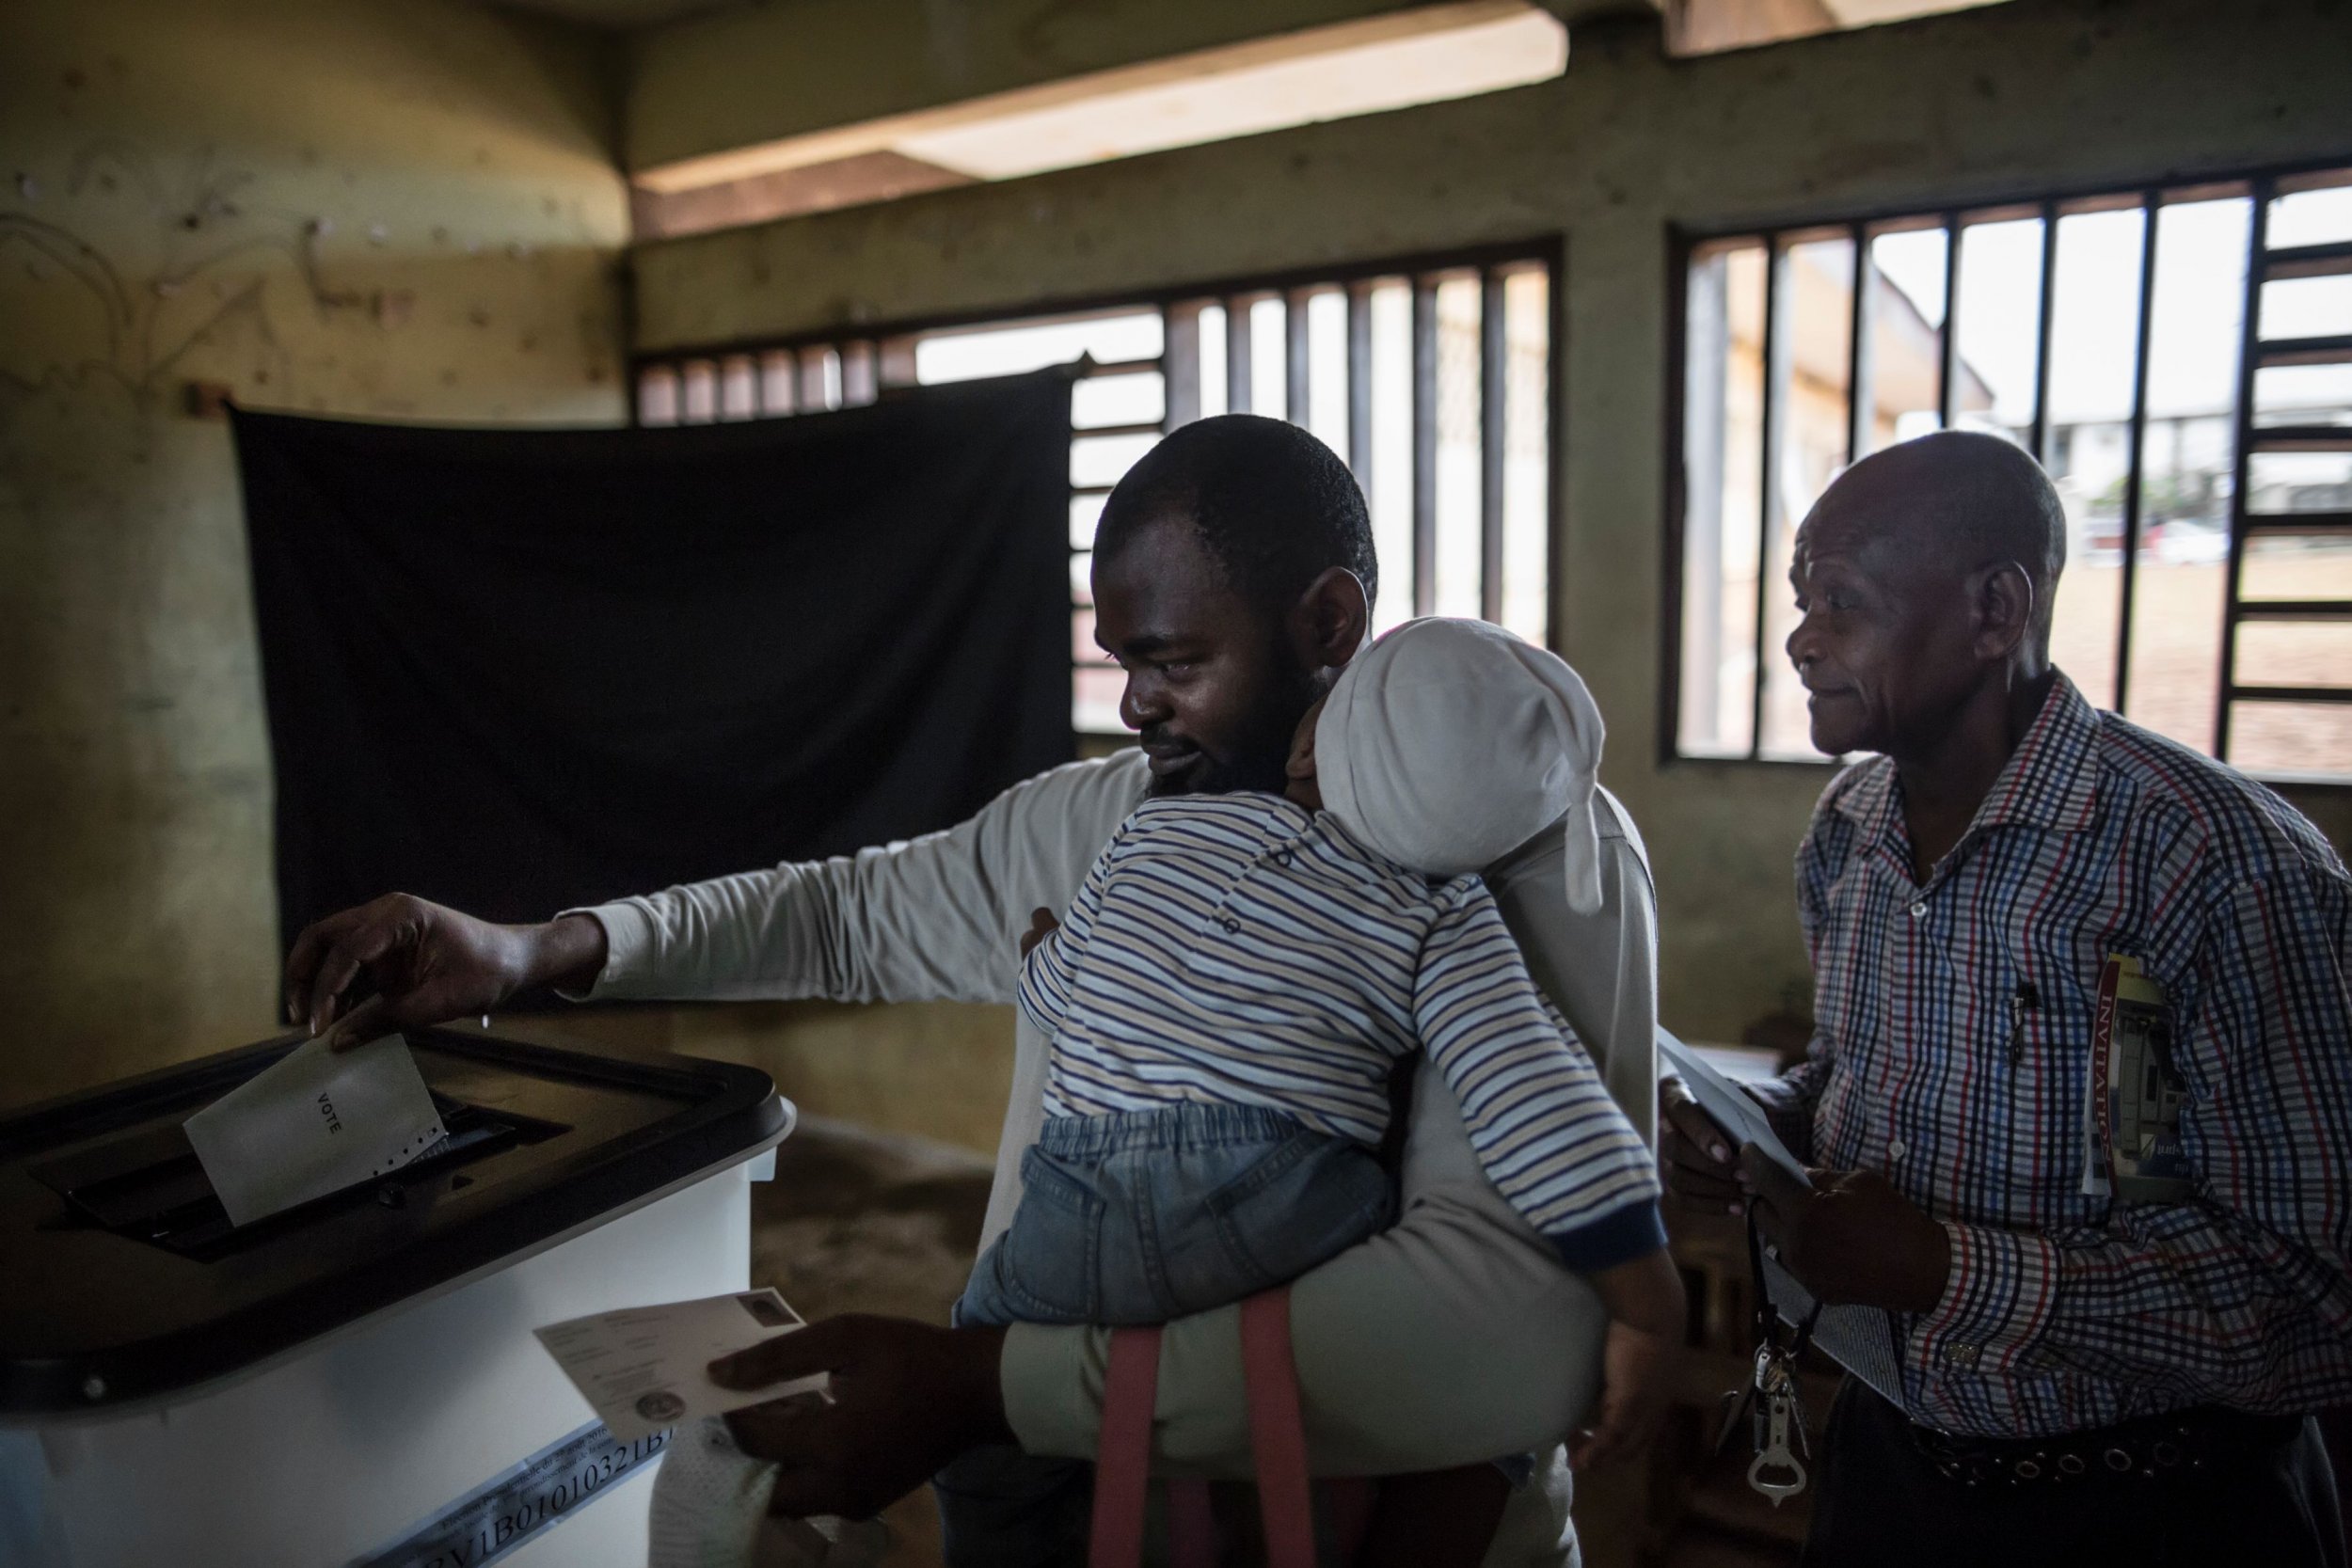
[(121, 1280)]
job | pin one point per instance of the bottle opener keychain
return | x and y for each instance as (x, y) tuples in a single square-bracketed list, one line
[(1769, 1398)]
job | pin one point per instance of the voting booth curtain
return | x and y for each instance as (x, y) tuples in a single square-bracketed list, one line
[(512, 671)]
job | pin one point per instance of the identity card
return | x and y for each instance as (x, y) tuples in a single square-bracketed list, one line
[(646, 1367)]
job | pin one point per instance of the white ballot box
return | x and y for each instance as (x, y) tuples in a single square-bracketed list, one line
[(355, 1381)]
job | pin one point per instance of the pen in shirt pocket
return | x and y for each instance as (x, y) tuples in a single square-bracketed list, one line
[(2025, 999)]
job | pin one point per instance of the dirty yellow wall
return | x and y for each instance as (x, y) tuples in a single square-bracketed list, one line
[(398, 208), (1958, 108)]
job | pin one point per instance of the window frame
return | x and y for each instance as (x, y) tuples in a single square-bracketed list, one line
[(1488, 261), (1777, 230)]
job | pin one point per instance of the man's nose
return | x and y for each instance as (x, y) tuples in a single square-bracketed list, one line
[(1801, 645), (1142, 703)]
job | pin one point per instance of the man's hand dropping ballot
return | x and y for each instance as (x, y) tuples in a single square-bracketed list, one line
[(314, 1123)]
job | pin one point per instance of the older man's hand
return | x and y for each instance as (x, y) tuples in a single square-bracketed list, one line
[(1850, 1238), (1695, 1157), (907, 1398)]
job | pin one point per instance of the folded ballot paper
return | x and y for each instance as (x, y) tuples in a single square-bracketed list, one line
[(1862, 1339), (314, 1123), (646, 1367)]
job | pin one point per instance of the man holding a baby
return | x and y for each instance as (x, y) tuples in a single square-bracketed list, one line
[(1445, 1334)]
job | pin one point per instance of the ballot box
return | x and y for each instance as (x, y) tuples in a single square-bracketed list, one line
[(355, 1381)]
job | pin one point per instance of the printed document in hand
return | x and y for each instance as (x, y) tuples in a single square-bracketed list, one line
[(1859, 1339), (314, 1123), (1729, 1106), (646, 1367)]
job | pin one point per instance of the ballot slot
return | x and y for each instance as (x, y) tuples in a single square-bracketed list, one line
[(148, 1185)]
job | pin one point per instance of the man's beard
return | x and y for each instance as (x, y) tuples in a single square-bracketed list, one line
[(1259, 754)]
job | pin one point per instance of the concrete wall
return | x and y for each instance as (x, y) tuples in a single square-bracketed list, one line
[(401, 208), (1957, 108)]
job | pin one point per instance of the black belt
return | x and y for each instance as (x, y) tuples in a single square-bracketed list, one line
[(2201, 1440)]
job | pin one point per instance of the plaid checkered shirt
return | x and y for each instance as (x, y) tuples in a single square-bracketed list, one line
[(1953, 1045)]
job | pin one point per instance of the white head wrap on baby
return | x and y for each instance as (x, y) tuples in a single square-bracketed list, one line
[(1449, 743)]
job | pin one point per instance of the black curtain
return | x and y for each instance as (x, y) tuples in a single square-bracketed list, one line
[(512, 670)]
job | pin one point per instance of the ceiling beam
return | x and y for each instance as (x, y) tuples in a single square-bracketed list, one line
[(713, 97)]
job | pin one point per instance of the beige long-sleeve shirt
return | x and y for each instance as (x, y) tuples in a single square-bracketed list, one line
[(1454, 1337)]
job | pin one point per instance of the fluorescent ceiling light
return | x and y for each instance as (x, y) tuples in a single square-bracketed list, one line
[(1423, 56)]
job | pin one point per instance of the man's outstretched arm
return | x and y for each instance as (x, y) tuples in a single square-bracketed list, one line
[(934, 918), (399, 961)]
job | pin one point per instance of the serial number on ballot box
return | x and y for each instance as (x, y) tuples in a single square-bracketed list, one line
[(510, 1510)]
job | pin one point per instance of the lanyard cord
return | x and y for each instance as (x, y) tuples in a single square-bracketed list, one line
[(1767, 1319)]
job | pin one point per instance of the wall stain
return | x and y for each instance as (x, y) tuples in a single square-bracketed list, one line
[(201, 244), (194, 220)]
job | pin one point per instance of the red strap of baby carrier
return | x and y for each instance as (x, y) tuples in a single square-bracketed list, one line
[(1123, 1455), (1123, 1467), (1278, 1437)]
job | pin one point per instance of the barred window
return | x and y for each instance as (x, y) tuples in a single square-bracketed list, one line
[(1432, 378), (2180, 359)]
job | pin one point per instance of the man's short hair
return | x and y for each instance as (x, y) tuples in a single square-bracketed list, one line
[(1274, 507)]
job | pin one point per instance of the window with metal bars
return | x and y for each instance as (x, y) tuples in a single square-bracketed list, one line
[(1431, 376), (2179, 358)]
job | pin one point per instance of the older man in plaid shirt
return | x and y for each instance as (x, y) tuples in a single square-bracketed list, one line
[(2081, 1087)]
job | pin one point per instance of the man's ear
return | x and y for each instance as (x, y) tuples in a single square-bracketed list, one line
[(2004, 598), (1332, 621)]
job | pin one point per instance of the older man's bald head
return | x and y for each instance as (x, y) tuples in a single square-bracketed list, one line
[(1924, 580), (1962, 501)]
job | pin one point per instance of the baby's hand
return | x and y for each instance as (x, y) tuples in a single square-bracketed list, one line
[(1040, 922), (1300, 785), (1638, 1360), (1637, 1376)]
